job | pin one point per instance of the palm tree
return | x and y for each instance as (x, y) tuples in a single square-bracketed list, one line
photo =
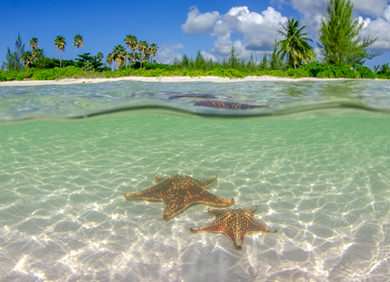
[(60, 43), (143, 47), (131, 42), (33, 43), (32, 56), (153, 49), (78, 42), (295, 44), (28, 58), (148, 54), (137, 57), (118, 56)]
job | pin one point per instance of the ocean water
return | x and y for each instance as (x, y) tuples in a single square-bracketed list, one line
[(313, 157)]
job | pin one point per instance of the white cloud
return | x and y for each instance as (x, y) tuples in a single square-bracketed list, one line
[(260, 30), (207, 56), (223, 45), (378, 28), (373, 8), (168, 53), (312, 11), (198, 23), (386, 14), (255, 31)]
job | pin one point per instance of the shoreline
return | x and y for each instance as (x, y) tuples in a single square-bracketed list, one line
[(164, 79)]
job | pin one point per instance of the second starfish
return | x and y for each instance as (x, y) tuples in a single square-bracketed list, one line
[(178, 192)]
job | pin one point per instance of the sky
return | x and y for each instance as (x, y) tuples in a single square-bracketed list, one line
[(179, 26)]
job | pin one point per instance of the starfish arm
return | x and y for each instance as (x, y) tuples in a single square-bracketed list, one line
[(237, 238), (252, 210), (213, 200), (173, 208), (151, 194), (211, 227), (158, 179), (206, 183)]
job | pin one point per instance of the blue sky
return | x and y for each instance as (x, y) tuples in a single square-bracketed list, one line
[(177, 27)]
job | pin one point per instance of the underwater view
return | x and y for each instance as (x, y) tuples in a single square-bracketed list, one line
[(307, 159)]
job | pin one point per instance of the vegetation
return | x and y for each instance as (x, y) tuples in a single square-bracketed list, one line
[(118, 56), (339, 36), (295, 44), (292, 56), (78, 42), (13, 60), (60, 43), (88, 66)]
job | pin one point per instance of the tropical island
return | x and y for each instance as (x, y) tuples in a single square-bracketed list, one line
[(343, 54)]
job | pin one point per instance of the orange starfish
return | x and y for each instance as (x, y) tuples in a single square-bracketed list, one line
[(235, 223), (178, 192)]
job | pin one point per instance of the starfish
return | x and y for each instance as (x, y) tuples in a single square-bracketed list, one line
[(235, 223), (178, 192)]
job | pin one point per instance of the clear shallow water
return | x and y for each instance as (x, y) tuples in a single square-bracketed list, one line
[(320, 177), (80, 100)]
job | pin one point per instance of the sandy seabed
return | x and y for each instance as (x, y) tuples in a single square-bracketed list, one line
[(161, 79)]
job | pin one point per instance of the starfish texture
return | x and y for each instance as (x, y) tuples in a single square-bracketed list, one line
[(235, 223), (178, 192)]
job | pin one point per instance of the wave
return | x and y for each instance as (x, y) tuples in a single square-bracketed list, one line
[(223, 109)]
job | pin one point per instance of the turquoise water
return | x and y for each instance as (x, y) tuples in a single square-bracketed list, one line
[(314, 157)]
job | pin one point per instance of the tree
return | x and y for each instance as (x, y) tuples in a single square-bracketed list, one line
[(60, 43), (153, 49), (28, 58), (275, 61), (339, 36), (142, 47), (185, 61), (88, 62), (33, 43), (200, 62), (118, 56), (251, 64), (36, 53), (78, 42), (99, 56), (295, 44), (131, 42), (264, 62), (14, 60), (148, 54), (233, 60)]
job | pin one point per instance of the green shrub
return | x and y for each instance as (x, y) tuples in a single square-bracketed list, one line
[(279, 73), (365, 72), (43, 75), (16, 75), (297, 73), (225, 72), (2, 76), (314, 68), (69, 72), (325, 74), (383, 70)]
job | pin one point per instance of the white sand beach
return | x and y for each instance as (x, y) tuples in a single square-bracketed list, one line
[(161, 79)]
